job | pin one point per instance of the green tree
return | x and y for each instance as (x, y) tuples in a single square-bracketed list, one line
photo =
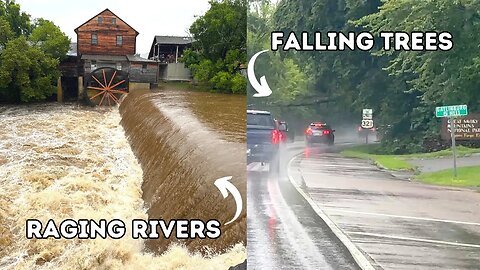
[(432, 78), (29, 55), (19, 21), (309, 84), (402, 87), (221, 29), (50, 39), (6, 33), (219, 47), (26, 73), (289, 82)]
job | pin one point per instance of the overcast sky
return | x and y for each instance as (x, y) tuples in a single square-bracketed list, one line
[(150, 18)]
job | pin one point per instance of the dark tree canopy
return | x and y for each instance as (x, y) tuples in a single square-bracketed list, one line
[(403, 88), (219, 47), (29, 55), (50, 39), (19, 21)]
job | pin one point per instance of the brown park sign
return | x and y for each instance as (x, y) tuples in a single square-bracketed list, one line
[(467, 128)]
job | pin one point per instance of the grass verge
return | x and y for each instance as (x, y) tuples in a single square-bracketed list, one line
[(390, 162), (462, 151), (467, 177)]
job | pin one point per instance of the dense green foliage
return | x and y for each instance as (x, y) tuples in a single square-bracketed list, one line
[(403, 88), (29, 55), (50, 39), (290, 84), (219, 47), (18, 21)]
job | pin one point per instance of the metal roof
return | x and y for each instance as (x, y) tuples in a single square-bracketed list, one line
[(176, 40)]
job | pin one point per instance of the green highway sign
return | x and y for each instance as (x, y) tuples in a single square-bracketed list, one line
[(451, 111)]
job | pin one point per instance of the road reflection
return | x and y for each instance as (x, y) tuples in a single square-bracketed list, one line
[(283, 233)]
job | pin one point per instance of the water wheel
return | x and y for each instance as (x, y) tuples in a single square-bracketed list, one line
[(106, 86)]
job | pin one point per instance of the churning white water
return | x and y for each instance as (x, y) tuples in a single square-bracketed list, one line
[(64, 161)]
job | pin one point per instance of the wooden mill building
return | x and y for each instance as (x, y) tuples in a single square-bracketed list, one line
[(105, 40)]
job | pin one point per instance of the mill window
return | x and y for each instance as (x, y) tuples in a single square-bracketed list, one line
[(119, 40), (94, 39)]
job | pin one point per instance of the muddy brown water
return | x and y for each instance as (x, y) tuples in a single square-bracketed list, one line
[(184, 141), (65, 161)]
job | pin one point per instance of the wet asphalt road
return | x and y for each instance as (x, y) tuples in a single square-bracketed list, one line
[(400, 224), (283, 232)]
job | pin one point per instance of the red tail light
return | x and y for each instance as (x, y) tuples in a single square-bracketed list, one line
[(326, 132), (276, 136), (308, 131)]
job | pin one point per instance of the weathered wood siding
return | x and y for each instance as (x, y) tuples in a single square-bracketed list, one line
[(140, 74), (107, 33), (87, 65), (69, 67)]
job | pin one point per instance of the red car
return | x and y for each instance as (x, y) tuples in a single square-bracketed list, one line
[(319, 132)]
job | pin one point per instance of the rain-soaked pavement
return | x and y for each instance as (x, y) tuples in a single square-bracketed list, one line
[(283, 232), (400, 224)]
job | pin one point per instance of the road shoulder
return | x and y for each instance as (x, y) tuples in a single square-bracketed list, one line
[(397, 223), (360, 258)]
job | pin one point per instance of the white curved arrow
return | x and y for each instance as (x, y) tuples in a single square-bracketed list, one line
[(262, 88), (225, 186)]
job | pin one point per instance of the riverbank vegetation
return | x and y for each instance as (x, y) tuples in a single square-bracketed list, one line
[(402, 88), (219, 48), (30, 52)]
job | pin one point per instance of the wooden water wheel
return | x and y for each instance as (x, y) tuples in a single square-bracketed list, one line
[(106, 86)]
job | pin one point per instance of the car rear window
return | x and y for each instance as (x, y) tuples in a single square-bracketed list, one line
[(260, 120)]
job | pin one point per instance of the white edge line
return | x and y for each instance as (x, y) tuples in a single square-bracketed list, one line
[(415, 239), (399, 216), (357, 255)]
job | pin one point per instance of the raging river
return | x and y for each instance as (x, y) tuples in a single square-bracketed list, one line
[(157, 156)]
